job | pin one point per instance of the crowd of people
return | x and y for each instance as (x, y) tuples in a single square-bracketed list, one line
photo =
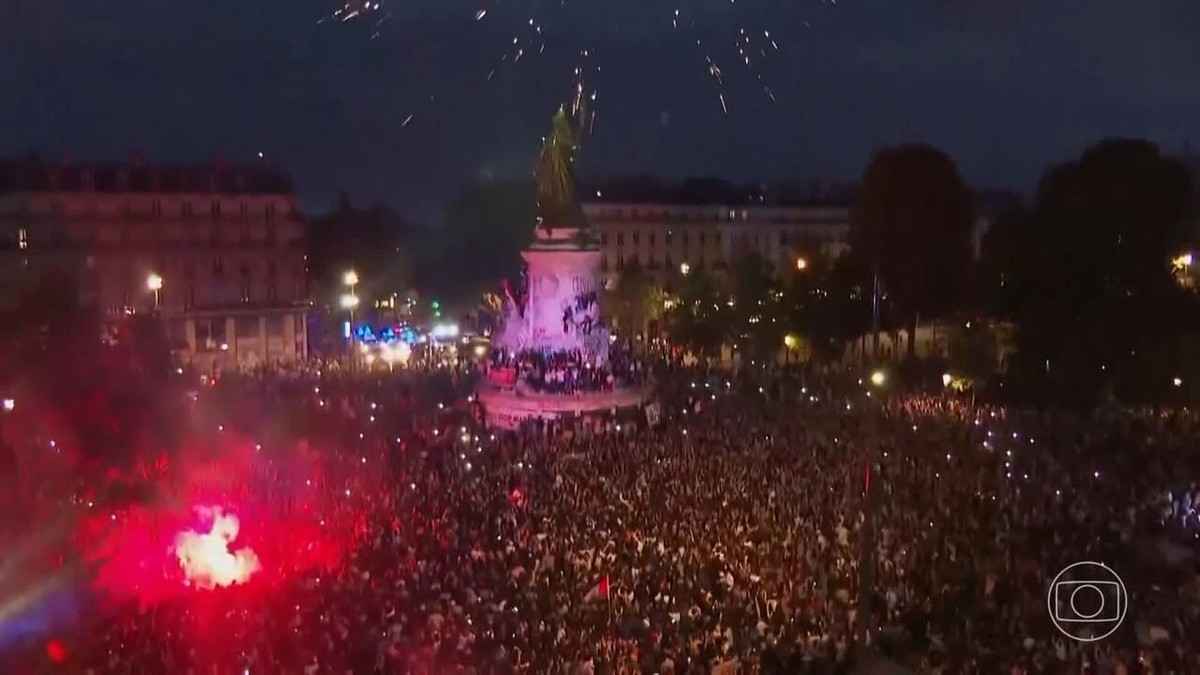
[(725, 537), (569, 372)]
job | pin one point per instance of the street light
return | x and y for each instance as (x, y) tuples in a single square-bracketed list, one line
[(878, 378), (801, 264), (947, 379), (1178, 382), (349, 301), (684, 269), (350, 278), (155, 283)]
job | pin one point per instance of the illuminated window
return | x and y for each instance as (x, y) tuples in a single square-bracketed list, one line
[(23, 239)]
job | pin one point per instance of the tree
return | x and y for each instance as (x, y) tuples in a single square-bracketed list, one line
[(699, 321), (1086, 274), (912, 226), (479, 241), (372, 241), (635, 302), (757, 316), (828, 307), (973, 351)]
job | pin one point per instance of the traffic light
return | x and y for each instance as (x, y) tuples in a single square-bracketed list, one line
[(437, 309)]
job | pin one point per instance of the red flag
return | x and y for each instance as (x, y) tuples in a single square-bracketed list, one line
[(598, 592)]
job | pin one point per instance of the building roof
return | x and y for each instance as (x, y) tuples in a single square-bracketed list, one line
[(33, 175), (717, 192)]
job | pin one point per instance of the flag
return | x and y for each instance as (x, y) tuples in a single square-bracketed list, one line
[(598, 592)]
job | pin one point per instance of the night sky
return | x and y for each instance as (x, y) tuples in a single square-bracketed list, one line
[(1005, 86)]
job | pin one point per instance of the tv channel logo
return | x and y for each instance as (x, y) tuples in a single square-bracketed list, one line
[(1087, 601)]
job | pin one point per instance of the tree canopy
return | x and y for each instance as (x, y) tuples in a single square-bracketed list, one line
[(372, 241), (912, 225), (479, 241), (1087, 276)]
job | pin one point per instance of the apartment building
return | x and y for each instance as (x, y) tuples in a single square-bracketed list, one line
[(217, 249), (672, 230)]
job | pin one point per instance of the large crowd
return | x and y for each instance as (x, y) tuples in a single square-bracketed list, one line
[(726, 536), (569, 372)]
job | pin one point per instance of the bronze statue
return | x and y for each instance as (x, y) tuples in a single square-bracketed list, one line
[(556, 206)]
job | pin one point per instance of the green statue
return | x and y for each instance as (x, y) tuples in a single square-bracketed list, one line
[(556, 206)]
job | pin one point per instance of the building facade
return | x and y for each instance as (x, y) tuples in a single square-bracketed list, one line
[(667, 238), (216, 249)]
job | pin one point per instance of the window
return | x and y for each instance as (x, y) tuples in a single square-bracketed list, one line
[(156, 208), (620, 239), (651, 238), (205, 341), (270, 213), (218, 268), (620, 262), (242, 211), (216, 210), (244, 273), (189, 300), (187, 209), (272, 291), (604, 238), (23, 239), (604, 264), (635, 238)]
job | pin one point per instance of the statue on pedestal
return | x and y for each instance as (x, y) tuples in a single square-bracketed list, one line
[(555, 177)]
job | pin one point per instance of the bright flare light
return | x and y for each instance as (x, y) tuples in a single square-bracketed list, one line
[(878, 378), (206, 558), (154, 282)]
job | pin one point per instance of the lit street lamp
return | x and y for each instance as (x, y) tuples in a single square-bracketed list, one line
[(349, 301), (801, 264), (155, 283), (878, 378), (684, 269)]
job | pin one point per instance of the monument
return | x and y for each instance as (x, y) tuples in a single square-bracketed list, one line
[(556, 317)]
